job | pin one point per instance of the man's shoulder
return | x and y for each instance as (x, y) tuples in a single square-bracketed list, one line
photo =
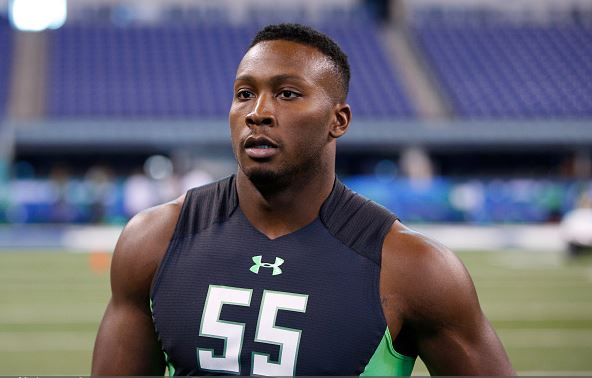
[(404, 242), (422, 273), (152, 229), (140, 249), (145, 238), (417, 253), (155, 222)]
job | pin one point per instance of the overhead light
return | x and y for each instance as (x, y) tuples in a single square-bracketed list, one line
[(37, 15)]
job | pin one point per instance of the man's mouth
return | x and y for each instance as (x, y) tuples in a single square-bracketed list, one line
[(260, 147)]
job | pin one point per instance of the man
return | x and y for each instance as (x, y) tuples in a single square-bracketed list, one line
[(281, 269)]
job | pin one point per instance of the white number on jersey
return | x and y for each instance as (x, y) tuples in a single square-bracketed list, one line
[(287, 339)]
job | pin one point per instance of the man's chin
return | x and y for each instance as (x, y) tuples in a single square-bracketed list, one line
[(266, 179)]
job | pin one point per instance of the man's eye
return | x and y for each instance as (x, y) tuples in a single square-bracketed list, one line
[(244, 94), (289, 94)]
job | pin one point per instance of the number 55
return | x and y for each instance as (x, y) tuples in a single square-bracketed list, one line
[(232, 333)]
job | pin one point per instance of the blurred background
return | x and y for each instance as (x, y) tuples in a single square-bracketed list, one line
[(472, 121)]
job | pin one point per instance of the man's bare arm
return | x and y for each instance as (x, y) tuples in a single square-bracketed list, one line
[(431, 302), (126, 343)]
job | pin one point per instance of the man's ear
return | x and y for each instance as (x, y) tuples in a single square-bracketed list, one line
[(341, 120)]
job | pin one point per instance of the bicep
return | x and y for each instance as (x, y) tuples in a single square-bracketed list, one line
[(126, 343), (454, 336), (438, 307), (467, 346)]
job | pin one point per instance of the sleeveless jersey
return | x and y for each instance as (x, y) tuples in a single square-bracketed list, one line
[(226, 299)]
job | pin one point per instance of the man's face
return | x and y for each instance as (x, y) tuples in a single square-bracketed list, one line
[(281, 111)]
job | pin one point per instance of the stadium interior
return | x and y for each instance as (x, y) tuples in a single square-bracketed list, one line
[(474, 113), (472, 121)]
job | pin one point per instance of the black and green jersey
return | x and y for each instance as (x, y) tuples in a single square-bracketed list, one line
[(229, 300)]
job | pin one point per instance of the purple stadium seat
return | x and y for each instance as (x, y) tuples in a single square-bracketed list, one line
[(501, 70), (186, 71), (5, 61)]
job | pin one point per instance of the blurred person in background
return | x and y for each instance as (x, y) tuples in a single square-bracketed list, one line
[(138, 192), (101, 185), (62, 209), (576, 225), (195, 177), (281, 269)]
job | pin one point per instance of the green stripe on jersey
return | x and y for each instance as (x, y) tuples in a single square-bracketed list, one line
[(169, 365), (386, 361)]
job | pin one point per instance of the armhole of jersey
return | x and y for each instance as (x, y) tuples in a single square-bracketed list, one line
[(174, 239), (386, 361), (170, 368)]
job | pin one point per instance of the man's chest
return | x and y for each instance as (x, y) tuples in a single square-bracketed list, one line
[(303, 304)]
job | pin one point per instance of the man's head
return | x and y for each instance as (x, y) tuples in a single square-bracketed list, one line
[(289, 106), (307, 36)]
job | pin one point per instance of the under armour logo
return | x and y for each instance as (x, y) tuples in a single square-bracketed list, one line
[(258, 264)]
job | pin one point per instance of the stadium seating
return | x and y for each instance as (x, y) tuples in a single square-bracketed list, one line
[(186, 71), (5, 61), (500, 69), (375, 90)]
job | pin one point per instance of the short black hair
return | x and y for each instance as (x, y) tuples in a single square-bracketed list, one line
[(308, 36)]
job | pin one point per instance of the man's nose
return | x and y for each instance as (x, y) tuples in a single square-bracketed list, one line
[(262, 113)]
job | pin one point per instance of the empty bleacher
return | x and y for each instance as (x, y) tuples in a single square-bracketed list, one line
[(502, 69), (5, 62), (186, 70)]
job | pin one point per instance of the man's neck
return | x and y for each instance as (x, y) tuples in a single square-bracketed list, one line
[(283, 211)]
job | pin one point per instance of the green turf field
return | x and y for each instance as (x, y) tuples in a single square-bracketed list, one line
[(540, 304)]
